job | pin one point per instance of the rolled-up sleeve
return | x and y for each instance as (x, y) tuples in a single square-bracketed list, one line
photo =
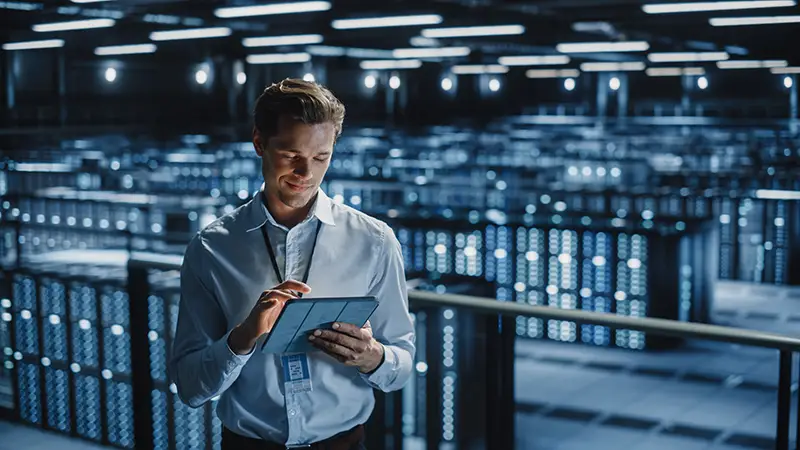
[(391, 322), (202, 365)]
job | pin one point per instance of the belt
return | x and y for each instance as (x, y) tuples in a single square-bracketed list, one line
[(348, 440)]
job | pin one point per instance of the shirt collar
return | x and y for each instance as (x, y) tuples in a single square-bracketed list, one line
[(322, 210)]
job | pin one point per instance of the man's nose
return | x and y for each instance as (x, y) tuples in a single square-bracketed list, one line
[(302, 169)]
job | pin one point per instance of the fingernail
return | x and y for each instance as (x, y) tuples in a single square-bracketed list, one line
[(317, 333), (336, 326), (311, 338)]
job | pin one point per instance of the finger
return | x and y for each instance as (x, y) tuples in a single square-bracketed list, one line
[(350, 330), (294, 285), (356, 345), (276, 295), (332, 348)]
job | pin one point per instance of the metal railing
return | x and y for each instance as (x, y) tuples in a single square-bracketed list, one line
[(498, 356)]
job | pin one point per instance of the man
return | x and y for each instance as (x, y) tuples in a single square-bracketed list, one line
[(291, 239)]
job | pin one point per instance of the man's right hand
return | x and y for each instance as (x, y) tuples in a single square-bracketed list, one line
[(263, 315)]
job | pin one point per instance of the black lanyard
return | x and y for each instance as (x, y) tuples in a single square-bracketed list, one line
[(275, 261)]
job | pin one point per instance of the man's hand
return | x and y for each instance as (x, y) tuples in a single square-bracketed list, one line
[(352, 346), (263, 315)]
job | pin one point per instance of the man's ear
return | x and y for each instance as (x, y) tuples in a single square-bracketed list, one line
[(257, 144)]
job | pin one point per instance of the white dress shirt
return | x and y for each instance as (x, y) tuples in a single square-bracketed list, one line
[(225, 269)]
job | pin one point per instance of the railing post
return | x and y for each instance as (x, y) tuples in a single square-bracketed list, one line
[(500, 405), (784, 400), (138, 292)]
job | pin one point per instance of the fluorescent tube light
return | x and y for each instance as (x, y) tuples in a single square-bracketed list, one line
[(278, 58), (363, 53), (550, 60), (775, 194), (599, 47), (668, 8), (492, 30), (545, 73), (675, 71), (473, 69), (73, 25), (272, 41), (33, 45), (785, 70), (21, 6), (740, 21), (272, 9), (389, 64), (125, 49), (440, 52), (612, 67), (89, 1), (194, 33), (380, 22), (742, 64), (687, 56)]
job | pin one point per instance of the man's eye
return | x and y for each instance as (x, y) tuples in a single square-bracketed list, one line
[(321, 159)]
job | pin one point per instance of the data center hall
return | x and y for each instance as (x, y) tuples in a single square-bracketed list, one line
[(597, 205)]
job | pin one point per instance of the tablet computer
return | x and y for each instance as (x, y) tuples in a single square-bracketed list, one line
[(300, 317)]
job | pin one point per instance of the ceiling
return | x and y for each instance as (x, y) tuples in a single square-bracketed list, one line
[(546, 23)]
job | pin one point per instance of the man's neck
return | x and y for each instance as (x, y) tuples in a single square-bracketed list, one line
[(286, 215)]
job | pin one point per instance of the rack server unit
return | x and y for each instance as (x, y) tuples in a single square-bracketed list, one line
[(70, 355)]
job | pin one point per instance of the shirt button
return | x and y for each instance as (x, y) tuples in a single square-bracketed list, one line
[(292, 412)]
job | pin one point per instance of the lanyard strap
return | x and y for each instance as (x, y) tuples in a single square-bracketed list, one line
[(275, 261)]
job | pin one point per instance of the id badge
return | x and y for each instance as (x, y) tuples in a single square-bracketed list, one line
[(296, 374)]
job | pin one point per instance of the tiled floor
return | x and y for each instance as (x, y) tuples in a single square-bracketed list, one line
[(704, 396)]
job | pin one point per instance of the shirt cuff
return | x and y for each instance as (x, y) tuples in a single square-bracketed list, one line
[(386, 372), (231, 360)]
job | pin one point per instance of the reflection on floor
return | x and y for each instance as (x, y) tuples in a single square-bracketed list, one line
[(704, 396)]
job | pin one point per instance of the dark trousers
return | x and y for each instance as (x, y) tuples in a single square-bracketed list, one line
[(349, 440)]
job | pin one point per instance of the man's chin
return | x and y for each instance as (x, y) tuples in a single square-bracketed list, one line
[(295, 200)]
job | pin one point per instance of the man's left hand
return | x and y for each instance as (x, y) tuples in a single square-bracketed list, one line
[(351, 345)]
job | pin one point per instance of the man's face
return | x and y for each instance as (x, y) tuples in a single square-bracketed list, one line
[(295, 160)]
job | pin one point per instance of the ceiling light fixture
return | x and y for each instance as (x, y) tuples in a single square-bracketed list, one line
[(549, 60), (194, 33), (687, 57), (381, 22), (742, 64), (545, 73), (741, 21), (601, 47), (272, 9), (441, 52), (612, 67), (675, 71), (668, 8), (125, 49), (34, 45), (475, 69), (272, 41), (785, 70), (278, 58), (73, 25), (491, 30), (390, 64)]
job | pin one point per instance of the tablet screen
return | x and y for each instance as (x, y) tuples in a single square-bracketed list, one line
[(300, 317)]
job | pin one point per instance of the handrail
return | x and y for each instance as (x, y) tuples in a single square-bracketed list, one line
[(647, 324), (485, 305)]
